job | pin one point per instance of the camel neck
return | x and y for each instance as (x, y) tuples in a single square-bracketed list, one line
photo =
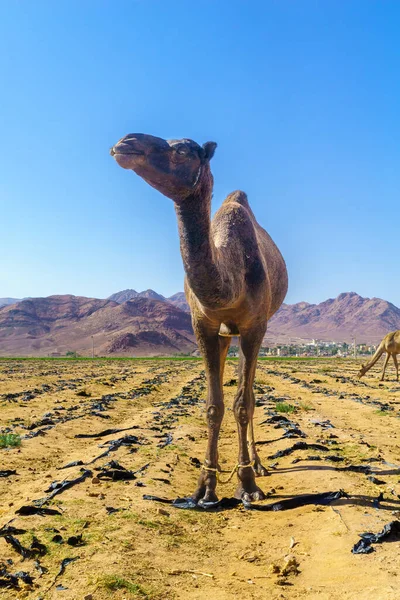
[(197, 248)]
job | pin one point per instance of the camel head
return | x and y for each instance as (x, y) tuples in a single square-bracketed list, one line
[(362, 371), (174, 167)]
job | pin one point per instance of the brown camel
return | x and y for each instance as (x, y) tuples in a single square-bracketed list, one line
[(235, 281), (391, 345)]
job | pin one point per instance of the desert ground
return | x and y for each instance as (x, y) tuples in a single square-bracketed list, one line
[(124, 546)]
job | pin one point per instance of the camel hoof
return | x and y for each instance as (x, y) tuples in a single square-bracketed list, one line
[(197, 495), (249, 496), (204, 495), (209, 496)]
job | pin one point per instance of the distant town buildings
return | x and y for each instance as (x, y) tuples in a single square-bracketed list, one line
[(318, 348), (311, 348)]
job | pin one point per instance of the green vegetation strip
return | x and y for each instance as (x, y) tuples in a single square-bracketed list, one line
[(284, 407), (147, 358), (113, 583), (10, 440)]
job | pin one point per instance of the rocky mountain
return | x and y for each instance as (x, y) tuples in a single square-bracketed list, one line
[(149, 324), (337, 319), (123, 296), (58, 324), (7, 301), (152, 295), (180, 301)]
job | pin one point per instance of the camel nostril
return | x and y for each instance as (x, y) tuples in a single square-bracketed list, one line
[(112, 151)]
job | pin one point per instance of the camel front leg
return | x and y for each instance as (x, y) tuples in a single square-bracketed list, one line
[(384, 366), (396, 364), (214, 349), (250, 342)]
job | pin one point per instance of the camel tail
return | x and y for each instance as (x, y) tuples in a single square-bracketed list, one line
[(379, 351)]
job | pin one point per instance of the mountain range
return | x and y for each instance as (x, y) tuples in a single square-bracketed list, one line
[(59, 324), (338, 319), (147, 323)]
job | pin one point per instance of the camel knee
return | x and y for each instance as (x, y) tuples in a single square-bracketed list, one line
[(215, 414), (241, 411)]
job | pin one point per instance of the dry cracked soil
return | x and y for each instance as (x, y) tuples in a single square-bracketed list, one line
[(123, 429)]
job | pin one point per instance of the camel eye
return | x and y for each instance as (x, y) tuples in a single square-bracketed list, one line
[(182, 150)]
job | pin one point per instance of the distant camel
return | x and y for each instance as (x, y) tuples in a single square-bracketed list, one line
[(391, 345), (236, 280)]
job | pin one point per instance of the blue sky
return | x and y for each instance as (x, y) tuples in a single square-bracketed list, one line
[(302, 97)]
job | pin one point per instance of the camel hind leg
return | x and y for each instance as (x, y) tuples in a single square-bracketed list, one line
[(396, 364), (243, 407), (259, 469), (384, 366)]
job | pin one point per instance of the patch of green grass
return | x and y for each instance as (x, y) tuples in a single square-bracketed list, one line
[(289, 358), (285, 407), (166, 525), (190, 516), (149, 524), (10, 440), (351, 452), (128, 515), (174, 448), (381, 413), (112, 583)]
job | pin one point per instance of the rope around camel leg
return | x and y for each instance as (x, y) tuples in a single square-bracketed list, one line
[(231, 474)]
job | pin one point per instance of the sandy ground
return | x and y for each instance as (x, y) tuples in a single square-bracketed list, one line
[(149, 550)]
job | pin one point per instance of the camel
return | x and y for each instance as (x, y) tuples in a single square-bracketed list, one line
[(391, 345), (236, 279)]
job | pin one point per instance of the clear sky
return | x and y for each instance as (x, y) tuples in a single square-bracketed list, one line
[(302, 97)]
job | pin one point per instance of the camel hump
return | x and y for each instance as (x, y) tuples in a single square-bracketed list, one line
[(239, 197)]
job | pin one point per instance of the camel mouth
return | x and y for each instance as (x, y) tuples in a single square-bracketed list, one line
[(115, 151)]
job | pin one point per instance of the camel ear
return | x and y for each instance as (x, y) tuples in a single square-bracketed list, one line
[(209, 149)]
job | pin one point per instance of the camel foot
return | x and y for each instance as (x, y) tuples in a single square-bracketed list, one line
[(249, 494), (205, 491), (247, 489), (204, 495)]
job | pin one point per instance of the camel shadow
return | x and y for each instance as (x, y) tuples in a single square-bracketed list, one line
[(369, 502), (373, 471), (362, 500)]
